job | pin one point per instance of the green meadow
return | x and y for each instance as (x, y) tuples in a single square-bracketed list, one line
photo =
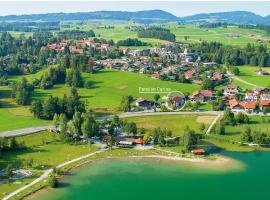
[(13, 116), (109, 86), (175, 123), (248, 73)]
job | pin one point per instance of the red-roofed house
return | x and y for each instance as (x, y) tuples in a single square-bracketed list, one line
[(217, 76), (138, 141), (105, 47), (156, 76), (190, 73), (201, 96)]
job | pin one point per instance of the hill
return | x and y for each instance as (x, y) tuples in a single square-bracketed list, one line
[(235, 17), (142, 16)]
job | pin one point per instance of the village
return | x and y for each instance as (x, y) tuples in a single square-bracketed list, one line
[(166, 63)]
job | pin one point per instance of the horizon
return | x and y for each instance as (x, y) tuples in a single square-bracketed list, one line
[(187, 8)]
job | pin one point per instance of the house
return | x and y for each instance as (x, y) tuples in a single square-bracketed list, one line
[(155, 76), (235, 106), (189, 74), (259, 90), (177, 100), (251, 96), (201, 96), (144, 103), (262, 72), (125, 144), (231, 91), (105, 47), (138, 141), (209, 64), (73, 49), (217, 76), (125, 50), (198, 151)]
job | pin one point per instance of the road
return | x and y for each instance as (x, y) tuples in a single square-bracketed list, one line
[(48, 172), (25, 131)]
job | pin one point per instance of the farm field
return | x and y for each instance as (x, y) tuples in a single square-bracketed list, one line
[(175, 123), (248, 73), (232, 35)]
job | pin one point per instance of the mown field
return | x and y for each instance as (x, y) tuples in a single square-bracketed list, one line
[(175, 123), (109, 86), (13, 116), (248, 73)]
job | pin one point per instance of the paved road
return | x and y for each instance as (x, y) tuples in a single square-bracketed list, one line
[(25, 131), (48, 172)]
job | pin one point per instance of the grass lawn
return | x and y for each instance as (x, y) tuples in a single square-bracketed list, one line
[(229, 146), (110, 85), (46, 151), (248, 73), (257, 123), (233, 134), (175, 123), (13, 116)]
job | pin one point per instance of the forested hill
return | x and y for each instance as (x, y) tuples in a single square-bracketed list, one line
[(234, 17), (148, 15)]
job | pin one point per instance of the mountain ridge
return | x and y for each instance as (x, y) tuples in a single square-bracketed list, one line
[(148, 16)]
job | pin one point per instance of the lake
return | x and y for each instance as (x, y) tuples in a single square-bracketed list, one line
[(135, 179)]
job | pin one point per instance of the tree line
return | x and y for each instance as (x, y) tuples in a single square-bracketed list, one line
[(229, 55), (156, 32), (131, 42)]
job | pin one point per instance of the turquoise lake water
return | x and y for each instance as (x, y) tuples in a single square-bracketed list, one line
[(149, 179)]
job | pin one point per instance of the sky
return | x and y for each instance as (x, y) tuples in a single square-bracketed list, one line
[(177, 8)]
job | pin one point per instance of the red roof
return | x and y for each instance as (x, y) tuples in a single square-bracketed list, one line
[(190, 73), (217, 76), (155, 76), (233, 103), (264, 102), (198, 151), (248, 105), (206, 93), (138, 141)]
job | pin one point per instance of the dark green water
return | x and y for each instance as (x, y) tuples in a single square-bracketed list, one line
[(147, 180)]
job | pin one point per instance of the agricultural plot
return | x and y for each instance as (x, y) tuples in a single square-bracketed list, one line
[(175, 123)]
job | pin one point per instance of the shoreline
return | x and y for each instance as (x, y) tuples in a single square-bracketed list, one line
[(219, 164)]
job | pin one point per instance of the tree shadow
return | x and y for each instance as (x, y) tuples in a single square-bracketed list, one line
[(63, 185)]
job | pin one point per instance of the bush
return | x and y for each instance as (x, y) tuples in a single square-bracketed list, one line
[(53, 182)]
